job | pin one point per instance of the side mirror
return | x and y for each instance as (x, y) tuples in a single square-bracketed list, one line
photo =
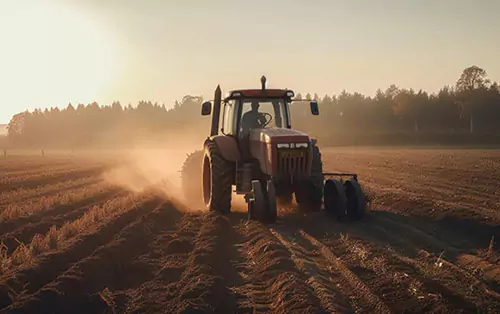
[(314, 107), (206, 108)]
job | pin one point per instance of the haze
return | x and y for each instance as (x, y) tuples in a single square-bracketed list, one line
[(55, 52)]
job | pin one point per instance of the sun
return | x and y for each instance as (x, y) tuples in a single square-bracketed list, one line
[(52, 55)]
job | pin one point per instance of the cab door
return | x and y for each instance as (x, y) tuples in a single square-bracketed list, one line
[(228, 118)]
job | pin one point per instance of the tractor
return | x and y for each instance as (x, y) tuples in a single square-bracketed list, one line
[(256, 151)]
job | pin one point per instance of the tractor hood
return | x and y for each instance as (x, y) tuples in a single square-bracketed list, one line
[(283, 161), (278, 135)]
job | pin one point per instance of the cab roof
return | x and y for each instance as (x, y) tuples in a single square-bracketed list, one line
[(260, 93)]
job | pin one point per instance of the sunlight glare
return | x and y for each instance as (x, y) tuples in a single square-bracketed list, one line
[(53, 55)]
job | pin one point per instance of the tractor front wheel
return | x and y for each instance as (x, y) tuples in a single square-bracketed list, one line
[(309, 195), (262, 207), (217, 179)]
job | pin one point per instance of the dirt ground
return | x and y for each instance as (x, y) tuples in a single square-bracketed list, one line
[(97, 236)]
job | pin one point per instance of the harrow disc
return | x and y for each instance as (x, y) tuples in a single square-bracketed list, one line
[(335, 199), (356, 202)]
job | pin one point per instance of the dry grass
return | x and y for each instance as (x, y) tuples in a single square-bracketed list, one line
[(16, 210), (5, 260), (491, 245), (380, 264), (357, 248), (32, 175), (56, 238), (23, 194), (23, 255)]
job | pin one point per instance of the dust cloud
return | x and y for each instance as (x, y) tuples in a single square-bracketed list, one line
[(153, 163)]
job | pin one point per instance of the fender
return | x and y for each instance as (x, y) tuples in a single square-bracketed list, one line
[(228, 147)]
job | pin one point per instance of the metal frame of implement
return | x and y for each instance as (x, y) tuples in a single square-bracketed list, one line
[(333, 174)]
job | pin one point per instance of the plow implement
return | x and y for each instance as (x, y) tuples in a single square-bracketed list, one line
[(343, 198)]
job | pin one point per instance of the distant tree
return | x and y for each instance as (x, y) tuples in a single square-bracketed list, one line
[(472, 78), (405, 106), (495, 88), (15, 128), (326, 100), (471, 83), (391, 92), (117, 107), (410, 106)]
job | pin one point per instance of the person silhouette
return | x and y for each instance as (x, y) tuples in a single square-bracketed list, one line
[(253, 119)]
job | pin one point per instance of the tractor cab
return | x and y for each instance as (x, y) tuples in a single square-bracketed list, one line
[(244, 110)]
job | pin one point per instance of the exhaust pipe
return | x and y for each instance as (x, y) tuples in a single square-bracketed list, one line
[(216, 112)]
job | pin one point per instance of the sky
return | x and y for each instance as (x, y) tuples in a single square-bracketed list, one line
[(55, 52)]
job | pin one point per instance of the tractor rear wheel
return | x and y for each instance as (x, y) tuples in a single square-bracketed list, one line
[(217, 179)]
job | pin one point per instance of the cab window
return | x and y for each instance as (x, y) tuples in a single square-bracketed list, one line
[(228, 118), (261, 113)]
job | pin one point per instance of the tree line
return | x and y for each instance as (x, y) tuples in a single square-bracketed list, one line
[(397, 115)]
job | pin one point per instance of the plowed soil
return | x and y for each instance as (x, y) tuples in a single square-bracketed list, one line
[(427, 244)]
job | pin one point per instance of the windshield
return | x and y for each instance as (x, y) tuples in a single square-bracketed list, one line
[(262, 113)]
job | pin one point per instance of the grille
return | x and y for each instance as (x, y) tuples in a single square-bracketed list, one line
[(292, 161)]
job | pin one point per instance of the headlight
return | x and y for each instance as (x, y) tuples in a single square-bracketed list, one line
[(302, 145), (283, 145)]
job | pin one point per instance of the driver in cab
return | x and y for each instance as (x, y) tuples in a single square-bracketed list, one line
[(253, 119)]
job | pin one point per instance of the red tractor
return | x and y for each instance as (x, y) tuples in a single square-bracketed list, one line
[(256, 150)]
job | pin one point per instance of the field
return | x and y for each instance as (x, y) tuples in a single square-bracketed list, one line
[(98, 236)]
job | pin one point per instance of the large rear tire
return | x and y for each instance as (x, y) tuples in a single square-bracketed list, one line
[(217, 179)]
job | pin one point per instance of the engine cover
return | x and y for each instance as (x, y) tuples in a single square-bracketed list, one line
[(283, 162)]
